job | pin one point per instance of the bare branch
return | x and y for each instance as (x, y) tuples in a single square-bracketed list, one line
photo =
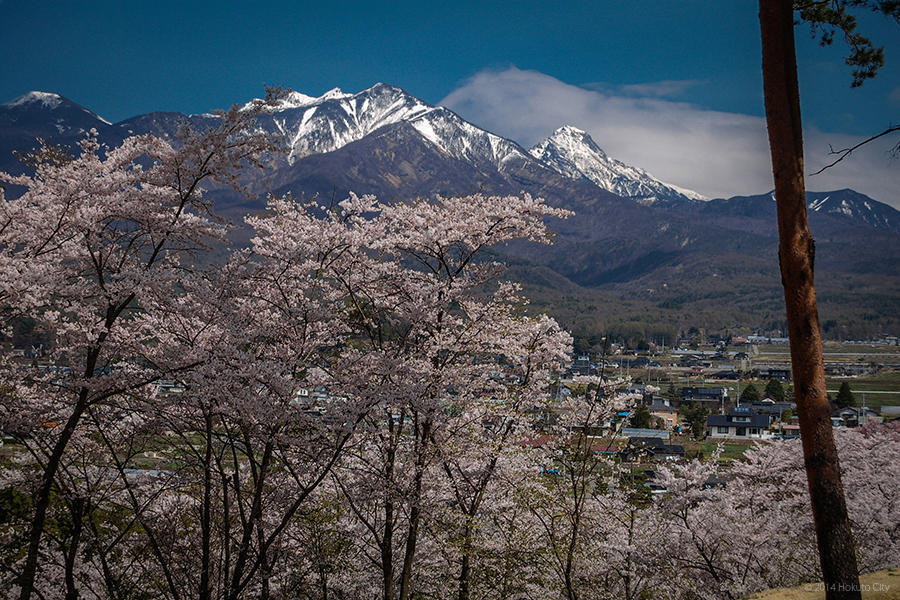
[(845, 152)]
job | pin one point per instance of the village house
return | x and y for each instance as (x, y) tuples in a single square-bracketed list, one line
[(781, 373), (741, 423), (713, 398), (662, 410), (853, 417), (652, 448)]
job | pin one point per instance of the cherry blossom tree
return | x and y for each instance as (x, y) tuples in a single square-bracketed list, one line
[(84, 249), (726, 526), (564, 503), (483, 442), (382, 306), (433, 343)]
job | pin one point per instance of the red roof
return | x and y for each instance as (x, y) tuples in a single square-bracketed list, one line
[(537, 442)]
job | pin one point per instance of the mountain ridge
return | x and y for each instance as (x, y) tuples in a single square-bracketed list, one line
[(672, 251), (318, 125)]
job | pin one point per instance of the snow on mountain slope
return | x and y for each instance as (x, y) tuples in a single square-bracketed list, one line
[(324, 124), (333, 120), (464, 141), (573, 153), (852, 204), (297, 100)]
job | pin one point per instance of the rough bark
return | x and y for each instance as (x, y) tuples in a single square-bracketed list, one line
[(796, 255)]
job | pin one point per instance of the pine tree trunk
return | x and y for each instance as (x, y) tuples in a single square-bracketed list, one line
[(796, 254)]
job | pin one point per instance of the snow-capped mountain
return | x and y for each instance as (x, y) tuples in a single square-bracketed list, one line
[(46, 99), (828, 211), (41, 115), (327, 123), (573, 153), (307, 125), (35, 107), (399, 145)]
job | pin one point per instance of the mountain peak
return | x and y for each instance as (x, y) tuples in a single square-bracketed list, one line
[(67, 114), (572, 137), (295, 100), (571, 131), (47, 99), (333, 94), (383, 86), (573, 153)]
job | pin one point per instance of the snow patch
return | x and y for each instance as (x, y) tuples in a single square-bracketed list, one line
[(426, 130), (816, 205), (47, 99)]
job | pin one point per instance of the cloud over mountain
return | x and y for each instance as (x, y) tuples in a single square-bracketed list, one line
[(717, 153)]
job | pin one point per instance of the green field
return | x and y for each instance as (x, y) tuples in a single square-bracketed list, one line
[(873, 391), (732, 450)]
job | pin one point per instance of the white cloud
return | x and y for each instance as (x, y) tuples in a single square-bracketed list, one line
[(894, 96), (715, 153)]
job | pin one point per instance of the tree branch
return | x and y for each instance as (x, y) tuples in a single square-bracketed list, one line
[(845, 152)]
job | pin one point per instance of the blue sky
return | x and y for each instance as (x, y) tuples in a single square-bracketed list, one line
[(125, 58)]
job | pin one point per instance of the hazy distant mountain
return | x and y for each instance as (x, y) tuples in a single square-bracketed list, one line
[(855, 207), (845, 207), (574, 153)]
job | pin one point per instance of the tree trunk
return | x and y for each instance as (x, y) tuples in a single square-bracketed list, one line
[(387, 550), (796, 255), (238, 582), (226, 532), (465, 570), (387, 540), (415, 512), (42, 503), (71, 555), (206, 512)]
